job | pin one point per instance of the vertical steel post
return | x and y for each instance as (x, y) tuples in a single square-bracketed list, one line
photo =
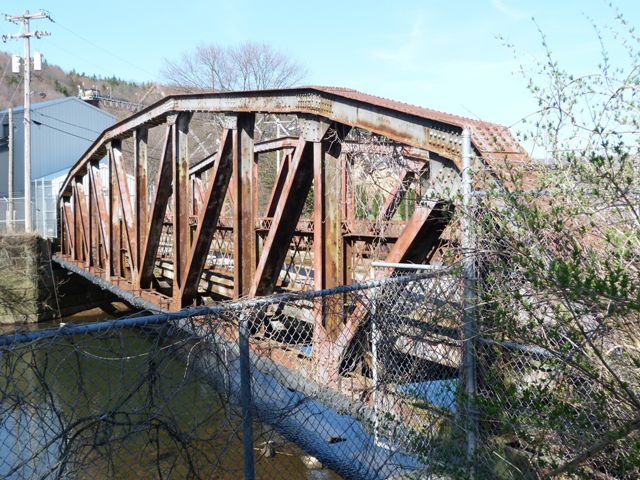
[(244, 205), (374, 364), (469, 302), (245, 396), (141, 207)]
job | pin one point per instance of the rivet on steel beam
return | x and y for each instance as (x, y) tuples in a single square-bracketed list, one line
[(312, 127)]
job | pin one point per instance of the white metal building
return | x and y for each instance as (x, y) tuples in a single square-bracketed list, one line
[(61, 130)]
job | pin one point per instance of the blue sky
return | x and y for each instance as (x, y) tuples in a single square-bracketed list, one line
[(437, 54)]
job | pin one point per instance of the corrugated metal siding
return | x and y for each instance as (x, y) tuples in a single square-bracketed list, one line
[(18, 155), (61, 130)]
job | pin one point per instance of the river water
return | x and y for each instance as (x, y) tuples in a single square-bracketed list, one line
[(119, 412)]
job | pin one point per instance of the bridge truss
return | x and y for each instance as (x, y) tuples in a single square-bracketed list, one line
[(215, 196)]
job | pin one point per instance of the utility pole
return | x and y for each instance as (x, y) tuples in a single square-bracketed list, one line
[(26, 35)]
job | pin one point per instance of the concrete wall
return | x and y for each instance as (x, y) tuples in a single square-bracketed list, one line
[(20, 280), (33, 289)]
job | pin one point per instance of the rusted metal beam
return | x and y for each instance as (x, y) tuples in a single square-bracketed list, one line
[(421, 234), (180, 195), (282, 143), (289, 206), (421, 128), (140, 139), (100, 210), (278, 185), (93, 233), (327, 225), (67, 215), (244, 204), (115, 237), (158, 209), (77, 232), (124, 199), (208, 218), (395, 197), (81, 216), (288, 210)]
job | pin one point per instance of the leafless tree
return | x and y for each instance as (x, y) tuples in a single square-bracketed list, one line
[(248, 66)]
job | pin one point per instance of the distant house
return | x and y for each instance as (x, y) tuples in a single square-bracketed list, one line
[(61, 130)]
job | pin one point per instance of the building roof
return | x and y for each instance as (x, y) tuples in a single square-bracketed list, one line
[(55, 101)]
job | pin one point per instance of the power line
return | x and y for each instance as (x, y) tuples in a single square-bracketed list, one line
[(91, 140), (74, 54), (68, 123), (103, 49)]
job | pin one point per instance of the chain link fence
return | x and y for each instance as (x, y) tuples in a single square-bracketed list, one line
[(43, 211), (374, 380), (355, 382)]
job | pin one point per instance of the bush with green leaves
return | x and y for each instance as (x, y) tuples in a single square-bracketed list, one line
[(559, 263)]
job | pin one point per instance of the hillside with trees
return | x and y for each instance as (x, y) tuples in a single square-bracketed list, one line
[(208, 67), (53, 82)]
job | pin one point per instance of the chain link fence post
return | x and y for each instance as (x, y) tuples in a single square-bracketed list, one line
[(245, 396), (375, 378), (469, 366)]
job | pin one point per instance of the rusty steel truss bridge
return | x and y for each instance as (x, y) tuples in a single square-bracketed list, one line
[(215, 196)]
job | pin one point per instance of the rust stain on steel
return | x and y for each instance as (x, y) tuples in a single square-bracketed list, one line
[(245, 204), (180, 196), (140, 139), (327, 229)]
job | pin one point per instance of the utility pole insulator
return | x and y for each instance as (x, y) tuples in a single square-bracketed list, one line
[(37, 61), (15, 64)]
